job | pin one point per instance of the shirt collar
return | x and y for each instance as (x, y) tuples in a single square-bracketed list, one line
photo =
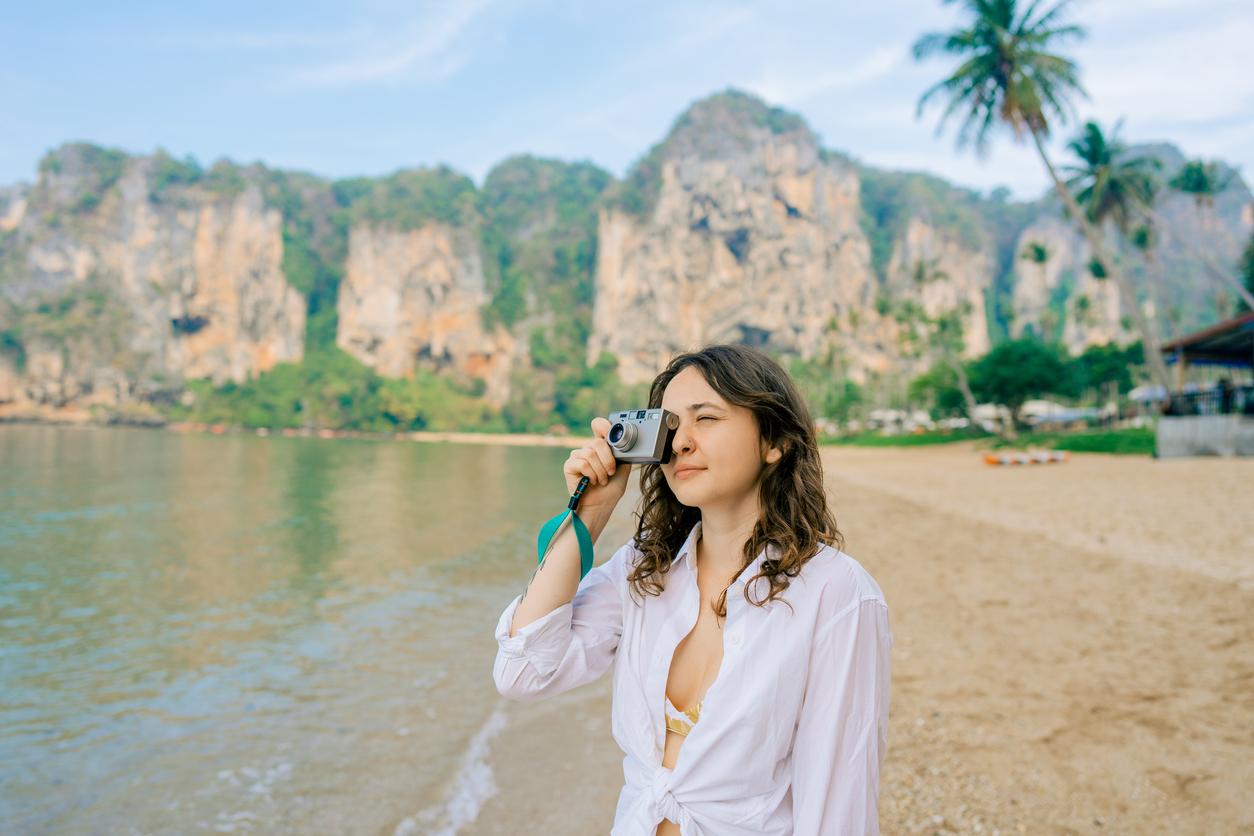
[(688, 553)]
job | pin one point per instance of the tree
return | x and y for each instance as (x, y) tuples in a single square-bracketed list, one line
[(1109, 183), (1009, 77), (1015, 370), (1103, 364), (947, 336), (1035, 252), (1203, 180), (940, 386)]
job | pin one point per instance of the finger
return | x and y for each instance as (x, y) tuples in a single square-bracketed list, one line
[(601, 426), (593, 466), (606, 454), (575, 464)]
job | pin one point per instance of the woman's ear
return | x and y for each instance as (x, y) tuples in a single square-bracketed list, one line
[(774, 454)]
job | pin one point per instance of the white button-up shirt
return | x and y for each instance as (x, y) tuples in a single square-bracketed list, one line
[(793, 730)]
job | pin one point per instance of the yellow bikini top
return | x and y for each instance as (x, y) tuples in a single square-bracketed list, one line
[(681, 722)]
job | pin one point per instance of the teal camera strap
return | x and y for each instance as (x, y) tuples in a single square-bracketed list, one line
[(581, 531)]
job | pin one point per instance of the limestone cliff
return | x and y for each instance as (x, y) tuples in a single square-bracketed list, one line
[(750, 234), (118, 285), (121, 277), (942, 274), (413, 298), (1056, 294)]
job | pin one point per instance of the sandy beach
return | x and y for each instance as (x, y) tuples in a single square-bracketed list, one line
[(1074, 652)]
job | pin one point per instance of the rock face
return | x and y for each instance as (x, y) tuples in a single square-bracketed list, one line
[(942, 275), (1057, 295), (1177, 290), (753, 237), (413, 298), (146, 292)]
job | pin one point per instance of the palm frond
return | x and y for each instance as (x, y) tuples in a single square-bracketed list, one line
[(928, 44), (1008, 74)]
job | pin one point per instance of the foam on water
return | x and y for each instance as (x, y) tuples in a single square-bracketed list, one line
[(470, 789)]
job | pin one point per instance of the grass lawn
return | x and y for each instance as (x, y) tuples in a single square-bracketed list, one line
[(874, 439), (1137, 441)]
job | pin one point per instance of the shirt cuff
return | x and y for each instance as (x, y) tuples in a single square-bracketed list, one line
[(543, 642)]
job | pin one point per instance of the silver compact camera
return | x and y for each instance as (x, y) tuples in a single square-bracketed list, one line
[(642, 436)]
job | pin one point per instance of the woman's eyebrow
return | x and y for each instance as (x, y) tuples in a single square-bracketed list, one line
[(697, 406)]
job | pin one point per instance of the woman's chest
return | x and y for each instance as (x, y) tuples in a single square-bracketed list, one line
[(748, 670), (697, 659)]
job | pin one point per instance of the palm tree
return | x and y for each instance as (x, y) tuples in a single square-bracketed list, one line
[(1110, 184), (1115, 188), (1203, 180), (1009, 77)]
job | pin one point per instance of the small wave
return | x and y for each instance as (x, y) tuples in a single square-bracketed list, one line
[(472, 786)]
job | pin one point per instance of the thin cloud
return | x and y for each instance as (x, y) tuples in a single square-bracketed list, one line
[(1010, 165), (1177, 78), (1123, 10), (713, 23), (261, 41), (429, 50), (798, 86)]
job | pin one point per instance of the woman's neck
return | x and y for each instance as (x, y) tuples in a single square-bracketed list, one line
[(724, 532)]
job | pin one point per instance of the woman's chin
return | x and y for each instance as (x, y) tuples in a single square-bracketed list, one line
[(688, 494)]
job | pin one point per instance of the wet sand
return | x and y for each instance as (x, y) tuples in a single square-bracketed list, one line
[(1074, 652)]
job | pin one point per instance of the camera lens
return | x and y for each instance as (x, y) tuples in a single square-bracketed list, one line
[(622, 436)]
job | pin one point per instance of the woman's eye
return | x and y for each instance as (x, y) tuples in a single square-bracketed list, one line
[(703, 417)]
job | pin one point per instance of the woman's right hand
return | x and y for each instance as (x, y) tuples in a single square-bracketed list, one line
[(607, 477)]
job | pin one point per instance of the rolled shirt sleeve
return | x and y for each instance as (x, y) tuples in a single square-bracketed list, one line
[(568, 647), (842, 731)]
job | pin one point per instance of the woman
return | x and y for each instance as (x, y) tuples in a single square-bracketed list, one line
[(752, 655)]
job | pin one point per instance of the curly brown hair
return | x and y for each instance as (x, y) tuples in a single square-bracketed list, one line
[(795, 516)]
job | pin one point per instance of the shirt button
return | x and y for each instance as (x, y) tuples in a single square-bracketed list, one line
[(734, 640)]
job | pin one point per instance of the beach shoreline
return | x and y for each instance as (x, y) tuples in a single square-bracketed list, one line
[(84, 418)]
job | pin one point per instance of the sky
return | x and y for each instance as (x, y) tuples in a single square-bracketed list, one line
[(365, 88)]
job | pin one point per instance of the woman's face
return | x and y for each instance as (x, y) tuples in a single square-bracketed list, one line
[(719, 439)]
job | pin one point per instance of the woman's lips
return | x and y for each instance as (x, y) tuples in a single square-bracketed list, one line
[(688, 471)]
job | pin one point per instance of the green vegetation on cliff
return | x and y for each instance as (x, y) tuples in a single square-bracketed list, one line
[(330, 389), (82, 318), (411, 198), (890, 199), (539, 236), (315, 245), (93, 168)]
